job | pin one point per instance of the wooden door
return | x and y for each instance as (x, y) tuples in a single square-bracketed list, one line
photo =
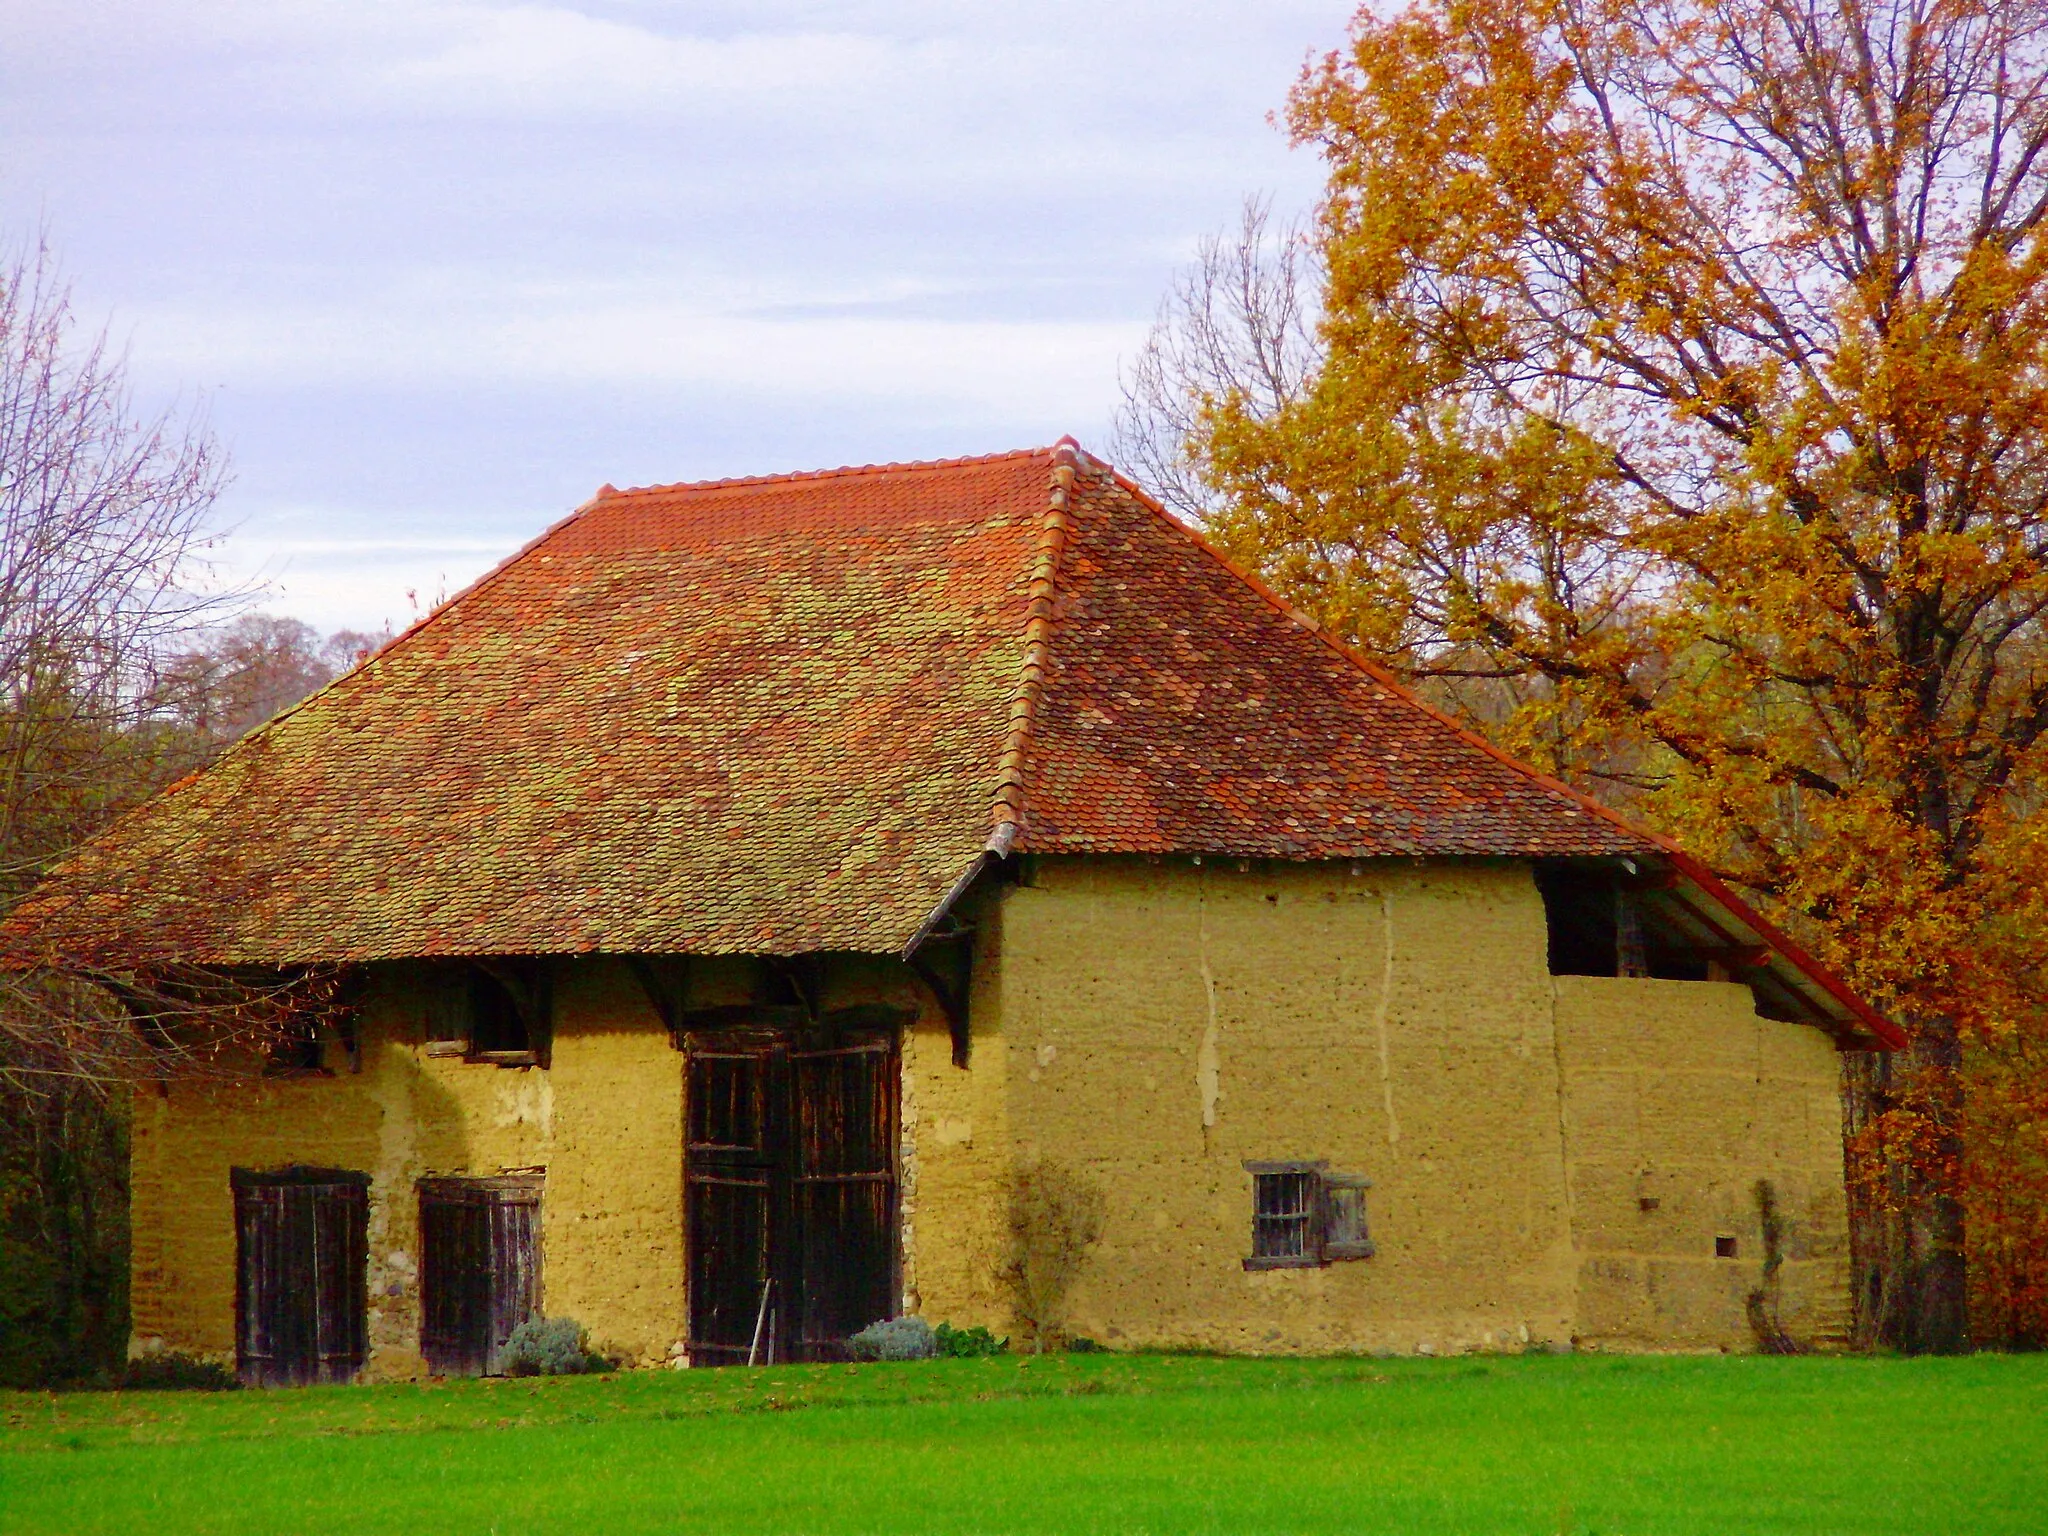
[(480, 1269), (792, 1195), (302, 1246), (843, 1188), (736, 1143)]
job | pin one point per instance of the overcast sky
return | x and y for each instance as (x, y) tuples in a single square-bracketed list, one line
[(439, 268)]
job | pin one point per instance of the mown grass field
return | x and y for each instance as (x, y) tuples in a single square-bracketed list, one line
[(1122, 1444)]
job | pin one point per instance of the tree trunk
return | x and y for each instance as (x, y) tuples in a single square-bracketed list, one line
[(1906, 1227)]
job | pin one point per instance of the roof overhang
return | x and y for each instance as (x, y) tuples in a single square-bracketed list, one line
[(1687, 898)]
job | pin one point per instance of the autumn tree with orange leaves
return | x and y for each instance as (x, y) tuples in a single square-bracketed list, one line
[(1679, 408)]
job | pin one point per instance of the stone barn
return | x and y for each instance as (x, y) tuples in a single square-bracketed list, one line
[(768, 906)]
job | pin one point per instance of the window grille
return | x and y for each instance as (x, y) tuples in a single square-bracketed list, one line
[(1305, 1216)]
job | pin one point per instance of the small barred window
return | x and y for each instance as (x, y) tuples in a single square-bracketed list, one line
[(1305, 1216), (1285, 1208)]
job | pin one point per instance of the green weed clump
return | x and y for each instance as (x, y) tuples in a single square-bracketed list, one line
[(968, 1343)]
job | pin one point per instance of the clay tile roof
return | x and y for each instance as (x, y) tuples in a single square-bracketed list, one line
[(785, 714), (1189, 709)]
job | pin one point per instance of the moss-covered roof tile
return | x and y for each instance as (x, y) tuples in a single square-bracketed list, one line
[(783, 715)]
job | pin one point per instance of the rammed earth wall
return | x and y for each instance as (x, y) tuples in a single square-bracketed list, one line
[(1153, 1026), (605, 1121), (1678, 1099), (1145, 1028)]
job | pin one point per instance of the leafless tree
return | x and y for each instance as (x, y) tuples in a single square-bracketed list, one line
[(235, 678), (1240, 323), (105, 519)]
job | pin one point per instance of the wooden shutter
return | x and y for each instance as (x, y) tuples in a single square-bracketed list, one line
[(515, 1266), (302, 1250), (1346, 1236), (455, 1282), (480, 1267)]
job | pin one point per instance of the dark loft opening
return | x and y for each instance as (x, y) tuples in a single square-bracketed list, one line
[(1579, 910), (496, 1020), (1599, 926)]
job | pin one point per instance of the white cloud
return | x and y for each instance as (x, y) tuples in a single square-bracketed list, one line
[(501, 336), (358, 584), (443, 265), (529, 59)]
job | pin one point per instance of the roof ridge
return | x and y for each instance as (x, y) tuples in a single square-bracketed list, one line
[(843, 471), (1006, 809)]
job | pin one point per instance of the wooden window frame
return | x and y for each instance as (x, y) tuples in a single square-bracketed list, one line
[(1331, 1215), (525, 980)]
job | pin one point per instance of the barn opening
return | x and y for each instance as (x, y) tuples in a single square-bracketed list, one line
[(498, 1009), (792, 1190), (301, 1252), (1601, 924), (480, 1269)]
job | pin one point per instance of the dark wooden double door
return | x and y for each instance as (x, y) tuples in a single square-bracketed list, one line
[(479, 1269), (301, 1255), (792, 1193)]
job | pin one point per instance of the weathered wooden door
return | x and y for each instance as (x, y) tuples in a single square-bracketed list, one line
[(302, 1245), (792, 1194), (479, 1269)]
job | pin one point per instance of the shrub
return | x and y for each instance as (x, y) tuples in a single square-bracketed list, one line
[(550, 1346), (172, 1371), (967, 1343), (1055, 1218), (1077, 1345), (901, 1338)]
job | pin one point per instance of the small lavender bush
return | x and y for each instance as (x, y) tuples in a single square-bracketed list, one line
[(550, 1346), (901, 1338)]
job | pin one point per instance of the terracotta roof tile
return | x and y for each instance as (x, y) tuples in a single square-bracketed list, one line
[(784, 714), (1187, 708)]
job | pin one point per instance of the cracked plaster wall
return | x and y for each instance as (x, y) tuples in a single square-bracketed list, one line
[(1153, 1024), (1150, 1025)]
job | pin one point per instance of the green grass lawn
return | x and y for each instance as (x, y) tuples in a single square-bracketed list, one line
[(1071, 1443)]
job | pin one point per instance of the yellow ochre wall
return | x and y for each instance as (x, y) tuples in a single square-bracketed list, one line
[(1150, 1026), (1145, 1026), (605, 1122), (1676, 1094)]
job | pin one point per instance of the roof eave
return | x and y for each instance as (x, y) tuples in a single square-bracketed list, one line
[(1836, 1007)]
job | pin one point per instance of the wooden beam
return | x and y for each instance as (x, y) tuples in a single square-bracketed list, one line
[(1737, 957), (948, 976), (747, 1015), (1650, 880)]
